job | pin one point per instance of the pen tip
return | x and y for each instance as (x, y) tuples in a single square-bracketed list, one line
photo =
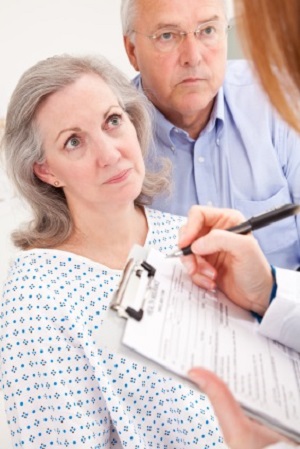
[(175, 254)]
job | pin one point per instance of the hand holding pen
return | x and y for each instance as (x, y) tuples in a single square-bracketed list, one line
[(252, 224), (228, 260)]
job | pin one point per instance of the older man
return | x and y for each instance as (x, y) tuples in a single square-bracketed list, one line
[(227, 146)]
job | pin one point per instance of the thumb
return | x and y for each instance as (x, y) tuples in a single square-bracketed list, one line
[(238, 430), (230, 415)]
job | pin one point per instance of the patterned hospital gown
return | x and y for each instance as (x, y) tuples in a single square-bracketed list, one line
[(61, 390)]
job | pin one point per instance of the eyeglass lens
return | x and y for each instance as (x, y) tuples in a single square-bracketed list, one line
[(209, 34)]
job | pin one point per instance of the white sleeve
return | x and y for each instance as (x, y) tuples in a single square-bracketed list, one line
[(281, 321), (281, 445)]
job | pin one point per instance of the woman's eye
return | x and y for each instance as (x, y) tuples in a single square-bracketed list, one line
[(72, 142), (114, 120)]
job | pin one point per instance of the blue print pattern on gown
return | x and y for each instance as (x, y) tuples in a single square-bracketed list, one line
[(61, 390)]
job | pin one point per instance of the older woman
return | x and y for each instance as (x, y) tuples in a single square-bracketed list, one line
[(75, 136)]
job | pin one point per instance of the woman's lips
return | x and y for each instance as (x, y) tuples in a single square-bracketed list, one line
[(121, 176)]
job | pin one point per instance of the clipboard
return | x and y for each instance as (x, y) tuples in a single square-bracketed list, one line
[(135, 286), (207, 329), (127, 305)]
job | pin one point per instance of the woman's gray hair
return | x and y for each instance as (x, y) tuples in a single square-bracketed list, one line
[(22, 144)]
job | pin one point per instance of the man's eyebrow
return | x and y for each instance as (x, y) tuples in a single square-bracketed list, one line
[(162, 25), (166, 25), (211, 19)]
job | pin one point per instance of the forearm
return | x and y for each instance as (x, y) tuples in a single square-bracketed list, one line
[(282, 445)]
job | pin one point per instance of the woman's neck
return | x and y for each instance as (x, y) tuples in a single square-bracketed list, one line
[(107, 238)]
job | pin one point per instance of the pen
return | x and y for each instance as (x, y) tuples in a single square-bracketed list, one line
[(256, 222)]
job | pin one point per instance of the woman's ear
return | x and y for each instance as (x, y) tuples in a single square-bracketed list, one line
[(41, 170)]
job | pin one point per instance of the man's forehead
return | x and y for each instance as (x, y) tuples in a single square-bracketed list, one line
[(152, 9)]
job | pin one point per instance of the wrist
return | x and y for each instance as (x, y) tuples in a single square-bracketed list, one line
[(272, 289), (274, 286)]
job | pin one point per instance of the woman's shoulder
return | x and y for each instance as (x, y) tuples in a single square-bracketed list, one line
[(44, 275), (164, 218), (47, 263), (35, 257), (163, 229)]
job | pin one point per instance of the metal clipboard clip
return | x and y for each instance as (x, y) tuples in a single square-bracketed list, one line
[(129, 299)]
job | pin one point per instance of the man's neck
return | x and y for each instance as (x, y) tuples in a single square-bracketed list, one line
[(193, 124)]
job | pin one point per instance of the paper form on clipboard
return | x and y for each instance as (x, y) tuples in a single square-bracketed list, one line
[(178, 325)]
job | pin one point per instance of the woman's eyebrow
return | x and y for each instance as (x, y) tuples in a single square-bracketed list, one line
[(72, 129)]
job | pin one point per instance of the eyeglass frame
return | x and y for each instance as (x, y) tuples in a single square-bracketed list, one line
[(182, 34)]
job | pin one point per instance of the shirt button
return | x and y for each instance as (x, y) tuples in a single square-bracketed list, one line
[(209, 203), (176, 130), (218, 142), (201, 159), (173, 148)]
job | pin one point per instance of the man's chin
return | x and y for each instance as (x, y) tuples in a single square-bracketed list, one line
[(194, 102)]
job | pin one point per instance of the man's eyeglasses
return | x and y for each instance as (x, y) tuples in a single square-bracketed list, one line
[(209, 34)]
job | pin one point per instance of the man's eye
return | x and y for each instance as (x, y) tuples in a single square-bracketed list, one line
[(208, 31), (166, 36)]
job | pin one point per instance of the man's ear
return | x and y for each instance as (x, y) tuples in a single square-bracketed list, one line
[(43, 173), (130, 50)]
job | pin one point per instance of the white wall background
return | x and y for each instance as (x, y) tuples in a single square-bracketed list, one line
[(31, 30), (35, 29)]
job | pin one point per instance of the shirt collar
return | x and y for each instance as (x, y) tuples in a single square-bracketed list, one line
[(163, 127), (217, 114)]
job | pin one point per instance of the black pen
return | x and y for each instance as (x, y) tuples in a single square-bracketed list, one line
[(257, 222)]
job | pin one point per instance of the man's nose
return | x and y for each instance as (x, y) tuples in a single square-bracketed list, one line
[(190, 50)]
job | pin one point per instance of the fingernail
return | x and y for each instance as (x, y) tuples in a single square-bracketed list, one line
[(198, 246), (209, 273), (196, 377), (210, 286), (182, 232)]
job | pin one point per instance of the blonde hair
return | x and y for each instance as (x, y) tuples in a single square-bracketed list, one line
[(52, 223), (270, 31)]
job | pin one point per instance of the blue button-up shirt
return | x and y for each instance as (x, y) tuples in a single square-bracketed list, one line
[(245, 158)]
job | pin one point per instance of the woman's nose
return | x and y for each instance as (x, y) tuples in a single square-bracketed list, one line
[(107, 151)]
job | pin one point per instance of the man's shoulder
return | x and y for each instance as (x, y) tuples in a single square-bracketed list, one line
[(136, 81), (239, 72), (242, 88)]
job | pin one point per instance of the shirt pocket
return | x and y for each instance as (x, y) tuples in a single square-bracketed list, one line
[(276, 236)]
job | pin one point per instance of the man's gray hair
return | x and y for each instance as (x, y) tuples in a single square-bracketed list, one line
[(129, 9), (128, 12), (22, 142)]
